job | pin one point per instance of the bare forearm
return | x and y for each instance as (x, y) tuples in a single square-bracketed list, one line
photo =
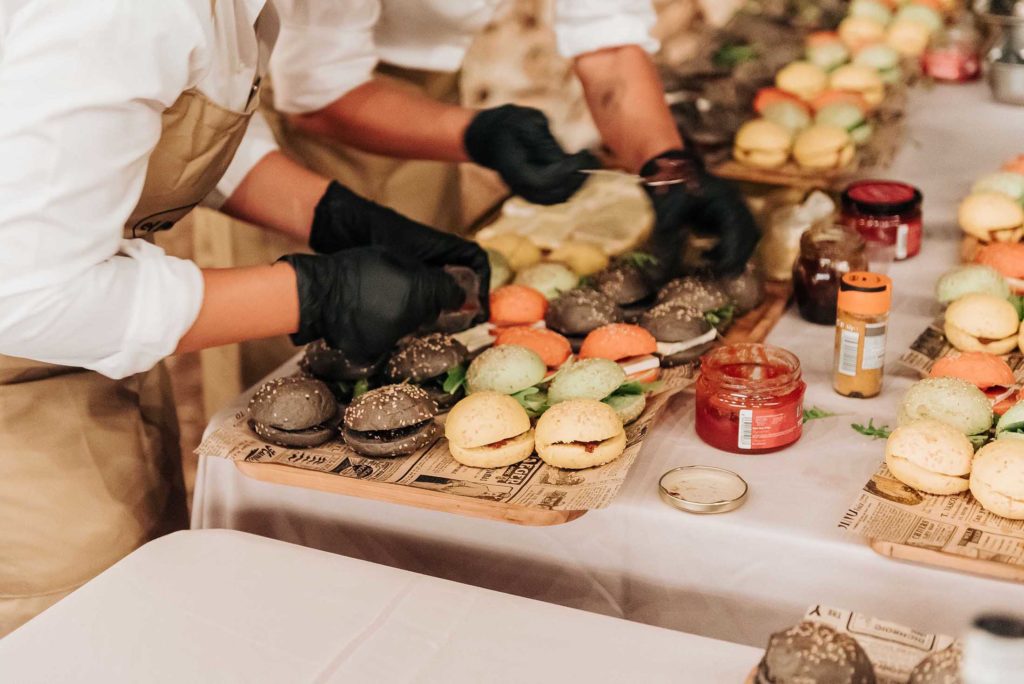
[(278, 194), (383, 118), (627, 101), (244, 304)]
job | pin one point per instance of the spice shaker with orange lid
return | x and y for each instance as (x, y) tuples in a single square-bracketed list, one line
[(861, 318)]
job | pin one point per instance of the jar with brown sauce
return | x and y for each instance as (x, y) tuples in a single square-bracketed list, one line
[(827, 253)]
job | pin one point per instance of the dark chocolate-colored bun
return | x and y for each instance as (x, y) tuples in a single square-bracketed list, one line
[(293, 412), (746, 290), (696, 292), (942, 667), (624, 283), (426, 357), (670, 322), (577, 312), (813, 652), (393, 420), (461, 318), (328, 363)]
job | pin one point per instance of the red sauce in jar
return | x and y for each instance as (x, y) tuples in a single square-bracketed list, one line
[(885, 212), (750, 398)]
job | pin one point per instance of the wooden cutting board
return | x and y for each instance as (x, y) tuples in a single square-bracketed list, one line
[(948, 561)]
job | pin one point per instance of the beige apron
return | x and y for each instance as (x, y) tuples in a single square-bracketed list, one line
[(90, 467)]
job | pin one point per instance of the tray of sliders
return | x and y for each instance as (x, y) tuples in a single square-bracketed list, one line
[(992, 220), (533, 417), (951, 490), (837, 111)]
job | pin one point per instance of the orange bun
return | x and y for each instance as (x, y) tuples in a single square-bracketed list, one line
[(822, 38), (978, 368), (1005, 257), (1015, 165), (833, 96), (551, 347), (767, 96), (618, 341), (517, 305)]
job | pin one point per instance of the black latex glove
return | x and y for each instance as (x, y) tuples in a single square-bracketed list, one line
[(517, 143), (362, 300), (343, 220), (701, 202)]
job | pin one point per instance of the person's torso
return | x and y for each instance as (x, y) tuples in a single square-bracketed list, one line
[(430, 34)]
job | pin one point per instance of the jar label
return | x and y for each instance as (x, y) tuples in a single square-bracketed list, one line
[(849, 341), (769, 428), (902, 238), (874, 346)]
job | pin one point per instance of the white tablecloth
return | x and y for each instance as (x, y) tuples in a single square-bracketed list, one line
[(736, 576), (220, 606)]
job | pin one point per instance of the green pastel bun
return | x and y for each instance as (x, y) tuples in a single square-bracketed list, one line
[(919, 14), (501, 271), (628, 407), (586, 379), (789, 115), (952, 401), (549, 278), (870, 9), (828, 55), (883, 59), (847, 116), (506, 369), (1003, 182), (1011, 424), (971, 279)]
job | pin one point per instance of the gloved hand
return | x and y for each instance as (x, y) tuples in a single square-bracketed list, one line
[(702, 202), (517, 143), (362, 300), (343, 220)]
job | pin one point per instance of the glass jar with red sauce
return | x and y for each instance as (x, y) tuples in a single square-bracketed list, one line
[(750, 398), (885, 212)]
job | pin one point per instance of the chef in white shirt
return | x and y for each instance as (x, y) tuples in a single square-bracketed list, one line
[(116, 118)]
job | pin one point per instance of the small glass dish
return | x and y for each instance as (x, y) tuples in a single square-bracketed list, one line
[(703, 489)]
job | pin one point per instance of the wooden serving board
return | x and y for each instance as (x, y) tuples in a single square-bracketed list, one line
[(756, 324), (407, 496), (948, 561)]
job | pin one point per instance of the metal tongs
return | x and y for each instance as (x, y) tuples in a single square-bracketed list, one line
[(633, 177)]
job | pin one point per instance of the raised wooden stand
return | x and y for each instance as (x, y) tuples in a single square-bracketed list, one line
[(948, 561)]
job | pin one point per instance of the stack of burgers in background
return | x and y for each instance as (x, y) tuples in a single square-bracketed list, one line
[(822, 106)]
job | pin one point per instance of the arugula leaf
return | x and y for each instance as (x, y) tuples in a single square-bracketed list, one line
[(640, 259), (632, 388), (814, 413), (731, 56), (455, 379), (532, 400), (361, 387), (871, 430), (1016, 428), (721, 317), (1018, 303)]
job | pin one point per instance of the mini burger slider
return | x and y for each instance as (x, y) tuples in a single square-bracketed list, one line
[(971, 279), (628, 282), (577, 312), (509, 369), (393, 420), (930, 456), (345, 377), (488, 430), (1011, 423), (293, 412), (952, 401), (762, 144), (1007, 258), (683, 333), (813, 652), (601, 380), (983, 323), (989, 373), (991, 217), (579, 433), (517, 305), (435, 362), (702, 294), (631, 346), (552, 348), (997, 478)]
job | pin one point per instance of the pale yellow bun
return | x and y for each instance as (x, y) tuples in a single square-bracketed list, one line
[(576, 457), (514, 451), (484, 418), (997, 478), (762, 143), (860, 79), (980, 316), (909, 38), (858, 32), (584, 258), (803, 79), (565, 424), (823, 147), (990, 216), (930, 456), (519, 251)]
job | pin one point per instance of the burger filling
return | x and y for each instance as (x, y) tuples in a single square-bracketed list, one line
[(589, 447), (670, 348), (392, 435)]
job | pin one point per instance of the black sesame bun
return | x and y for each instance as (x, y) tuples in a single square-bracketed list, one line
[(812, 652), (393, 420), (942, 667), (461, 318), (327, 363), (426, 361), (695, 292), (672, 323), (577, 312), (625, 283), (746, 290), (293, 412)]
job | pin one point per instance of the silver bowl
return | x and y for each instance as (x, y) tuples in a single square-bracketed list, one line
[(1006, 80)]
